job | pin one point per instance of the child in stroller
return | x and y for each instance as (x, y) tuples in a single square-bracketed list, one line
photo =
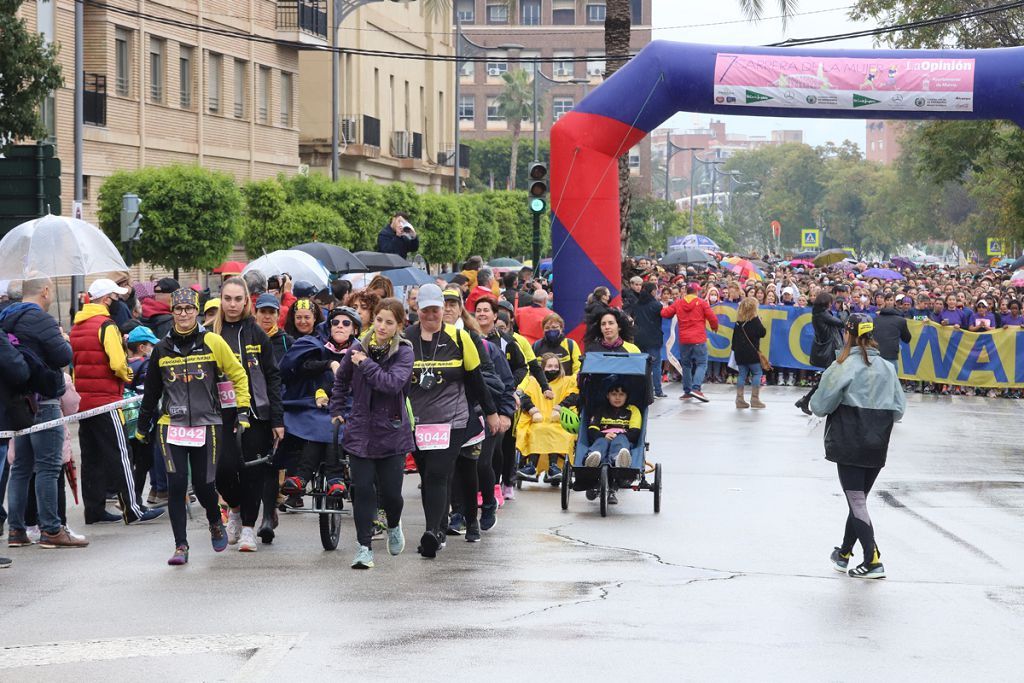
[(613, 430)]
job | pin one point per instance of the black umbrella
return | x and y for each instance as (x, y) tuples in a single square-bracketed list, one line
[(376, 260), (685, 257), (335, 259), (1019, 263)]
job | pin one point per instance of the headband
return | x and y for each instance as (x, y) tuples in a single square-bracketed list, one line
[(185, 297), (304, 305)]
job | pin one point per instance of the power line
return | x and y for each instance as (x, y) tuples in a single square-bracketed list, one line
[(240, 35)]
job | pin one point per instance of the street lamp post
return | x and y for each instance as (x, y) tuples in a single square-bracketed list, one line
[(341, 9), (670, 151)]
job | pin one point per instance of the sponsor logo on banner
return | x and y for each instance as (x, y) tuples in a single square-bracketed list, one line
[(935, 353), (754, 97), (862, 101)]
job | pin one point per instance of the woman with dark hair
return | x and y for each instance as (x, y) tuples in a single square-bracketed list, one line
[(369, 397), (862, 399), (611, 331), (597, 303), (828, 340), (646, 313), (381, 286), (365, 303), (302, 319)]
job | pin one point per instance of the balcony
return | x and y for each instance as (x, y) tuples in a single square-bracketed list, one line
[(302, 21), (94, 100)]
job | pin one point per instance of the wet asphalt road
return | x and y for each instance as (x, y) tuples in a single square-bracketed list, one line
[(730, 581)]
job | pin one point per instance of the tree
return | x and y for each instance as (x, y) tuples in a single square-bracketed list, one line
[(28, 73), (617, 30), (299, 223), (402, 197), (515, 102), (441, 229), (361, 204), (491, 158), (191, 216)]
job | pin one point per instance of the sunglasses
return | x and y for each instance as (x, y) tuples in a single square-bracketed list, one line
[(344, 322)]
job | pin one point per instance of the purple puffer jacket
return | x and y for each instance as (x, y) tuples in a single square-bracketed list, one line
[(377, 425)]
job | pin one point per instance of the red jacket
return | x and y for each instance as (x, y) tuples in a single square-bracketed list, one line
[(475, 295), (692, 312), (95, 380), (530, 321)]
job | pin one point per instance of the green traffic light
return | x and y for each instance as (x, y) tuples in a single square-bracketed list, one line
[(537, 205)]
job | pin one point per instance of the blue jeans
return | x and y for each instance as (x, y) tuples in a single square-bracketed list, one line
[(40, 453), (753, 370), (3, 481), (694, 359), (609, 448), (655, 353)]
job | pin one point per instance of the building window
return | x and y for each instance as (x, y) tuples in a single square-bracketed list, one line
[(560, 106), (529, 67), (496, 68), (215, 64), (529, 12), (185, 77), (286, 99), (636, 12), (467, 70), (564, 68), (563, 12), (467, 108), (595, 68), (634, 158), (239, 88), (493, 111), (467, 11), (156, 69), (122, 64), (497, 14), (263, 111), (595, 13)]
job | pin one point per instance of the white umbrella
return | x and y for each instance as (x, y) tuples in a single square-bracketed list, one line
[(57, 246), (298, 264)]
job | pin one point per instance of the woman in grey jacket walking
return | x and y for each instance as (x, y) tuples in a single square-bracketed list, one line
[(862, 398)]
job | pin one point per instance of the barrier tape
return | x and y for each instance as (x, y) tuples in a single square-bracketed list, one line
[(42, 426)]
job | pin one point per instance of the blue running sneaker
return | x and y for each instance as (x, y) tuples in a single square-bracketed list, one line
[(218, 537)]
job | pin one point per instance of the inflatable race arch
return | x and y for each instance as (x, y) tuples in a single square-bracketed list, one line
[(666, 78)]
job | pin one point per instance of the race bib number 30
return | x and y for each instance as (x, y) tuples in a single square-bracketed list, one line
[(186, 436), (433, 437), (226, 390)]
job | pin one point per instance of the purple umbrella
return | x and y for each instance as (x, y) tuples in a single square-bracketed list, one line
[(903, 262), (842, 265), (881, 274)]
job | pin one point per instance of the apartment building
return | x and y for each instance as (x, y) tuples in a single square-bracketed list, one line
[(157, 93), (396, 116), (557, 29), (882, 141)]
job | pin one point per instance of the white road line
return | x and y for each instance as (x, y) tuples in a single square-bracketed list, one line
[(270, 649)]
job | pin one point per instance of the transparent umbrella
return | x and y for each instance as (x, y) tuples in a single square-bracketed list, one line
[(57, 246), (298, 264)]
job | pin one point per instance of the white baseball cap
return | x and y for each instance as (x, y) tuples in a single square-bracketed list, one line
[(430, 295), (104, 287)]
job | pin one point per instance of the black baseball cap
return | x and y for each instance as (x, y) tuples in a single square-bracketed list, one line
[(166, 285)]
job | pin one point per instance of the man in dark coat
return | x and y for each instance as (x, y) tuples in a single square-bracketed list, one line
[(646, 313), (398, 237), (890, 329)]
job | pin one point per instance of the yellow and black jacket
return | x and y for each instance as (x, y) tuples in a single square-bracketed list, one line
[(608, 420), (182, 379)]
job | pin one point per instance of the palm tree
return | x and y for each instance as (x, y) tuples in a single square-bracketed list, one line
[(515, 103)]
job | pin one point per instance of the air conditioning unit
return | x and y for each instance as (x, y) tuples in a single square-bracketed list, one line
[(349, 131), (594, 69), (400, 143), (493, 71), (563, 71)]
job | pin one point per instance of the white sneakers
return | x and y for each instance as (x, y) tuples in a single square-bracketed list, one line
[(593, 459), (624, 458), (247, 542), (234, 527)]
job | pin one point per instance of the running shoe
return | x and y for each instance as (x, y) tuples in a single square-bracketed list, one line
[(410, 464), (234, 527), (456, 524), (266, 532), (699, 395), (293, 502), (661, 396), (488, 517), (868, 570), (5, 562), (554, 474), (149, 514), (499, 495), (840, 560), (293, 486), (473, 532), (179, 557), (396, 540), (247, 543), (18, 538), (612, 498), (363, 559), (528, 470), (380, 524), (624, 459), (429, 544), (335, 487), (105, 517), (508, 492), (218, 537), (593, 459)]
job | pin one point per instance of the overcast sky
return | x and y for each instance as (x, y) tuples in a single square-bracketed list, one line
[(686, 21)]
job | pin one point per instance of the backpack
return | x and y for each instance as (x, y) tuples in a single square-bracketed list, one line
[(20, 403)]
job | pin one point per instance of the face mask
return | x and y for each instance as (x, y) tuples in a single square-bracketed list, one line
[(553, 335), (552, 374)]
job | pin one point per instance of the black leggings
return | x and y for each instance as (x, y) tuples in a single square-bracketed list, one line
[(179, 460), (314, 453), (462, 485), (241, 486), (376, 484), (436, 468), (486, 478), (857, 483), (504, 460)]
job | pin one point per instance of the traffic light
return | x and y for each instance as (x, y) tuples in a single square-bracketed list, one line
[(538, 187), (130, 217)]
